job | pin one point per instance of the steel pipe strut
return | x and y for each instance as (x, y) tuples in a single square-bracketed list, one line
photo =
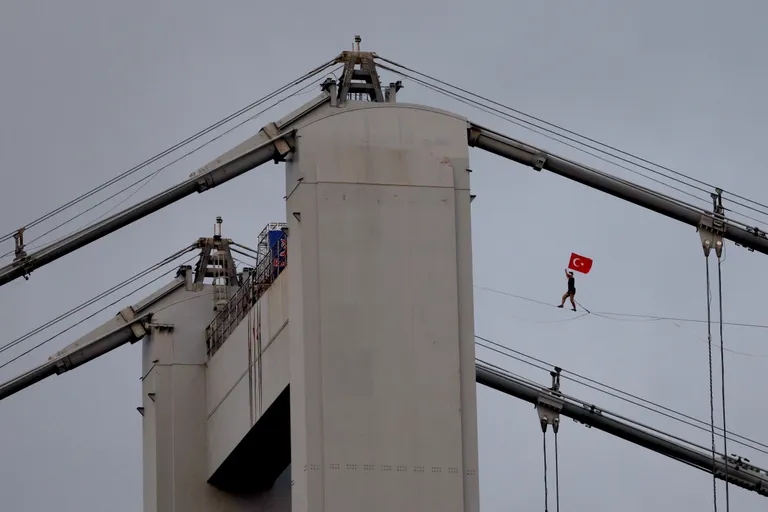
[(752, 238), (106, 343), (753, 479), (273, 148)]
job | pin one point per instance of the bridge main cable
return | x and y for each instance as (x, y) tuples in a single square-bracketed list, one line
[(525, 154), (272, 148), (751, 479)]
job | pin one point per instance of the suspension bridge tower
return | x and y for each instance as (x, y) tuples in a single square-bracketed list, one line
[(338, 374), (382, 368)]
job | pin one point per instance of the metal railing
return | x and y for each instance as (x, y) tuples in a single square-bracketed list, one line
[(254, 286)]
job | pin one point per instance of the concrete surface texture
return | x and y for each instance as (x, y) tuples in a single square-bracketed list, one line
[(383, 406)]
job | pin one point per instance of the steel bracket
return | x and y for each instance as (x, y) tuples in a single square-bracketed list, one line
[(711, 229), (281, 144), (19, 251), (330, 87), (472, 135), (138, 330), (549, 406), (538, 161)]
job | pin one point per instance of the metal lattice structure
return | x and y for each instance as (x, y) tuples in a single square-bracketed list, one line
[(272, 261)]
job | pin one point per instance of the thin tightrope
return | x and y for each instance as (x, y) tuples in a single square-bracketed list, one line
[(722, 380), (711, 384), (606, 314)]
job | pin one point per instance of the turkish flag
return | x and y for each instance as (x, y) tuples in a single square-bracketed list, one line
[(580, 263)]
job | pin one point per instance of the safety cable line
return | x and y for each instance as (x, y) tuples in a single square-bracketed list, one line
[(604, 411), (47, 340), (700, 447), (93, 300), (89, 316), (722, 380), (504, 136), (546, 491), (176, 146), (503, 372), (554, 136), (148, 178), (631, 155), (557, 476), (652, 406), (98, 297), (549, 135), (626, 182), (711, 384)]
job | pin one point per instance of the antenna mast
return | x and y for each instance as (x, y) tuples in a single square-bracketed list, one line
[(219, 261)]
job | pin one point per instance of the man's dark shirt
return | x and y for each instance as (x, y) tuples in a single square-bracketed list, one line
[(571, 284)]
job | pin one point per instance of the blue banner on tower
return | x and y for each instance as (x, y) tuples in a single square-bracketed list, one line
[(278, 246)]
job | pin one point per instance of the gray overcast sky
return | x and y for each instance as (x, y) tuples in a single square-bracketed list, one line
[(91, 88)]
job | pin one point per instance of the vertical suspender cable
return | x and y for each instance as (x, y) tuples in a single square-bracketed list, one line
[(722, 379), (711, 384), (546, 492), (557, 476)]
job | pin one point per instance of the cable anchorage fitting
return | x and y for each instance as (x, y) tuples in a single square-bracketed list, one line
[(19, 252), (712, 226), (711, 233), (21, 259), (549, 404)]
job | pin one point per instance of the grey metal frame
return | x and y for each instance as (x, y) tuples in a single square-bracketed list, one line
[(253, 287)]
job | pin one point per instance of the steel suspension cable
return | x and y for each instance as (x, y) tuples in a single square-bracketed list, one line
[(557, 475), (617, 393), (176, 146), (722, 379), (586, 138), (93, 314), (148, 178), (546, 490), (95, 299), (711, 384), (552, 135), (547, 134)]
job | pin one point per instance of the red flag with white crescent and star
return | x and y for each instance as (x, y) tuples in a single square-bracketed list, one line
[(580, 263)]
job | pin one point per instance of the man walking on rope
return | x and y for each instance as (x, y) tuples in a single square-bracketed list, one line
[(571, 290)]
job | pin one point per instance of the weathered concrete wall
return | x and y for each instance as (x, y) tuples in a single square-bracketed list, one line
[(383, 408), (240, 387), (175, 389)]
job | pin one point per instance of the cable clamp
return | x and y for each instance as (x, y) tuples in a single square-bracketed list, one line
[(281, 141), (538, 161), (19, 251), (473, 134), (556, 380), (21, 258), (330, 86), (711, 229), (549, 406)]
